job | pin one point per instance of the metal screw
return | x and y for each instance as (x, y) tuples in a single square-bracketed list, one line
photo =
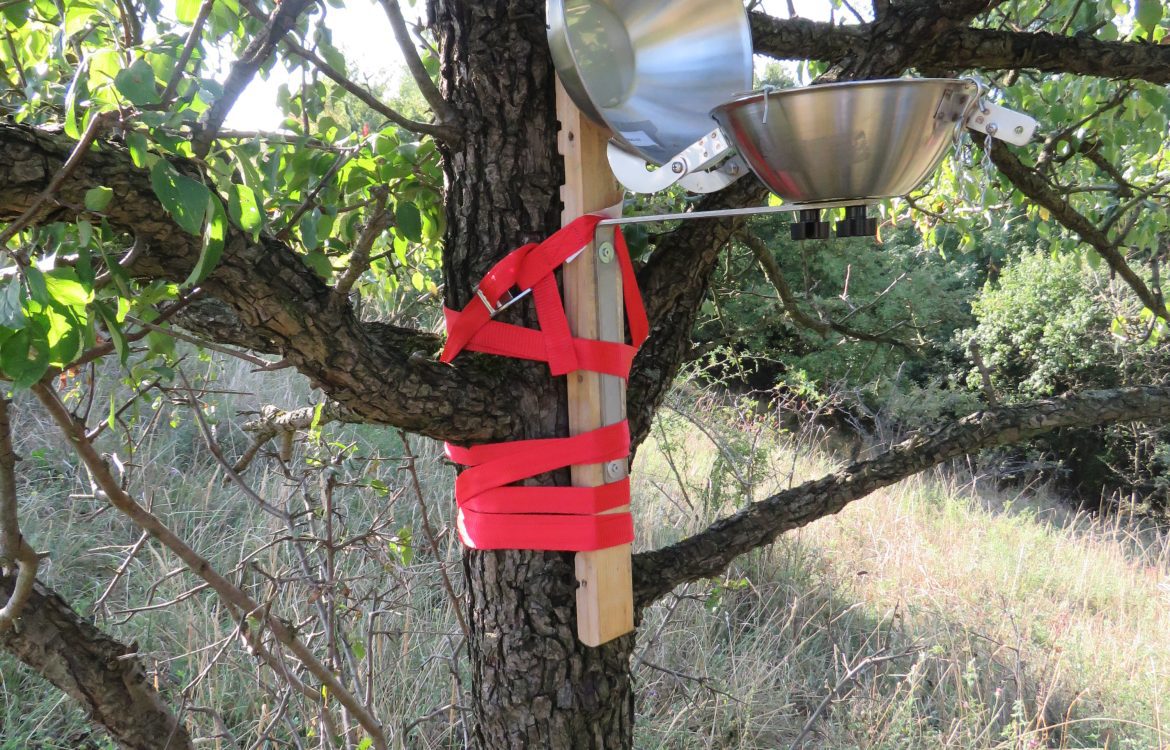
[(677, 167), (613, 469), (992, 128), (605, 252), (1019, 130)]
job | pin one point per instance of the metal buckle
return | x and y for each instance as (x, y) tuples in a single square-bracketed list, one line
[(502, 304)]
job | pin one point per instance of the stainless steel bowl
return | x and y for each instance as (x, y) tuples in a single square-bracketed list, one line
[(844, 141), (651, 70)]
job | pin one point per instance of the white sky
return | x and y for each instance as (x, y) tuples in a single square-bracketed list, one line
[(362, 32)]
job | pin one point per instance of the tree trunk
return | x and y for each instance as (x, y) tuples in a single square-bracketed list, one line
[(533, 683)]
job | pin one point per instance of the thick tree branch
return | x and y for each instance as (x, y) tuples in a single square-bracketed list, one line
[(14, 550), (104, 676), (970, 48), (383, 373), (710, 552)]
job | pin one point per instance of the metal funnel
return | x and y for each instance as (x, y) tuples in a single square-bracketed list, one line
[(651, 70)]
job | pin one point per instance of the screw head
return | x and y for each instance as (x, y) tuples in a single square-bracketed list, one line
[(605, 252), (677, 167), (1019, 130)]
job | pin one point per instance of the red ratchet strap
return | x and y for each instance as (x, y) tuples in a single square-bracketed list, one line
[(493, 512)]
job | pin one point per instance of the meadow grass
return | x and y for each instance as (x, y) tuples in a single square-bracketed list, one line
[(939, 613)]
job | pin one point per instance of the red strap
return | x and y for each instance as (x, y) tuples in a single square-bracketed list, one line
[(493, 512)]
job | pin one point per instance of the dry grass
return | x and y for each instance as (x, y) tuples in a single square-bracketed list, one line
[(936, 614)]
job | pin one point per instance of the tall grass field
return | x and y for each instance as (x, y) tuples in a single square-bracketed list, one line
[(943, 612)]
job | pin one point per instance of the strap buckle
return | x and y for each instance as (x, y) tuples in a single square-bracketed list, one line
[(501, 304)]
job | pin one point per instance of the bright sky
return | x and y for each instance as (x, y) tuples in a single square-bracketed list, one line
[(362, 32)]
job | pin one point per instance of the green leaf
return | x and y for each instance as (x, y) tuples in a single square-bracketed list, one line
[(1148, 13), (308, 226), (12, 304), (65, 290), (136, 83), (98, 198), (408, 220), (183, 198), (243, 208), (115, 330), (24, 357), (136, 142), (17, 13), (213, 240), (187, 10)]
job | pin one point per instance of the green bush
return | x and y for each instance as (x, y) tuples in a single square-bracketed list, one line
[(1052, 324)]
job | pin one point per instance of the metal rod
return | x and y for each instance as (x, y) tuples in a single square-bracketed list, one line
[(725, 212)]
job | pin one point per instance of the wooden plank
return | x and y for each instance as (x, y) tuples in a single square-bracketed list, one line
[(593, 303)]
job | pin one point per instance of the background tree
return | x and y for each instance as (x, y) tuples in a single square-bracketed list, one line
[(130, 210)]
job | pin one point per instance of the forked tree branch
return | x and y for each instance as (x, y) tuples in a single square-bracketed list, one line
[(244, 70), (709, 552)]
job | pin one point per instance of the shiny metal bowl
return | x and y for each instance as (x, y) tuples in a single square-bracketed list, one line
[(844, 141), (651, 70)]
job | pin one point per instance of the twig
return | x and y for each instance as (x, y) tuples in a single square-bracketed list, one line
[(412, 470), (193, 38), (121, 571), (439, 131), (359, 259), (76, 156), (426, 86), (202, 343), (228, 592), (839, 688), (792, 307)]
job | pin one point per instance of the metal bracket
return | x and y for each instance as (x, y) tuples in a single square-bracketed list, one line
[(633, 171), (714, 180), (1002, 123)]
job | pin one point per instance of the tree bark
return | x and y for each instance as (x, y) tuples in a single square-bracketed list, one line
[(533, 683), (101, 674)]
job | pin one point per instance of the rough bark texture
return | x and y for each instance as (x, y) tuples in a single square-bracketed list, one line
[(101, 674), (970, 48), (533, 684), (710, 552), (386, 374)]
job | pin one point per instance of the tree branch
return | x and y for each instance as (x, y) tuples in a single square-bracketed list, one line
[(791, 305), (710, 552), (280, 303), (426, 86), (13, 548), (1032, 184), (105, 677), (970, 48), (244, 69), (441, 131)]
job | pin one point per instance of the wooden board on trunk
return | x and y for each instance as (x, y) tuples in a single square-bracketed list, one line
[(593, 303)]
